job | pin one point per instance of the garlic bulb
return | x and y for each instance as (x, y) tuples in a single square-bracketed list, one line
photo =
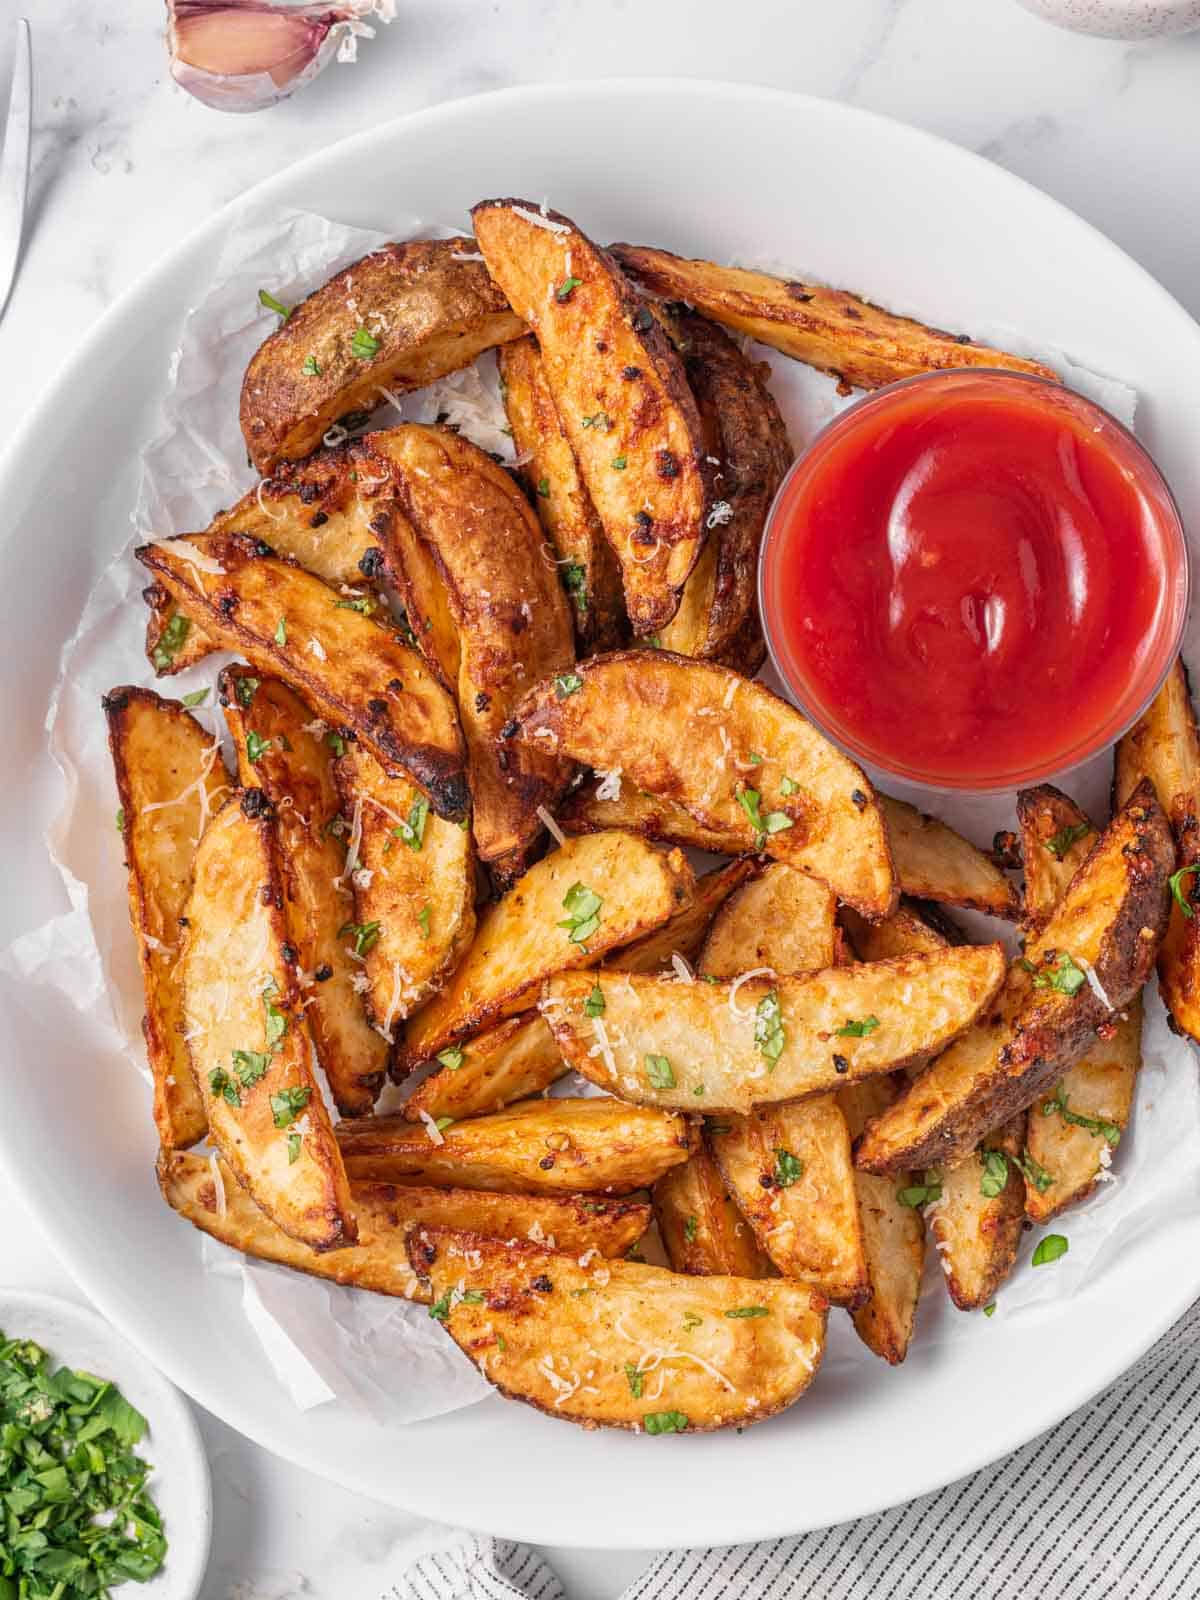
[(242, 55)]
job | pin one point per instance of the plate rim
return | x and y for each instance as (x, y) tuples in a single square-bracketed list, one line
[(744, 1523)]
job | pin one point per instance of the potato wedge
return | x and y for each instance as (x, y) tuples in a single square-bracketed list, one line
[(553, 1146), (626, 806), (408, 881), (246, 1036), (621, 395), (749, 762), (780, 920), (587, 565), (1056, 839), (535, 931), (384, 1214), (907, 932), (1164, 746), (681, 1354), (327, 513), (975, 1232), (1111, 921), (935, 863), (169, 776), (399, 318), (281, 750), (860, 345), (789, 1171), (684, 934), (700, 1046), (701, 1228), (718, 612), (516, 1058), (353, 671)]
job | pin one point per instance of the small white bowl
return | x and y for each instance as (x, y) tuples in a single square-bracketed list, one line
[(1119, 19), (179, 1483)]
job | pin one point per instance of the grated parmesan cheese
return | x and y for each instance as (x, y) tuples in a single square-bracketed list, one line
[(316, 648), (720, 514), (432, 1129), (218, 1184), (756, 972), (191, 554), (541, 221), (1097, 987), (263, 506), (609, 787), (552, 827), (682, 971)]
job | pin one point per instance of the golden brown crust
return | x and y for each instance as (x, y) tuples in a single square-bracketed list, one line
[(1056, 839), (780, 920), (516, 1058), (701, 1228), (425, 307), (685, 933), (976, 1235), (933, 862)]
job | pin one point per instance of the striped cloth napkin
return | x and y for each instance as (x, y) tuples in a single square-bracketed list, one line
[(1106, 1505)]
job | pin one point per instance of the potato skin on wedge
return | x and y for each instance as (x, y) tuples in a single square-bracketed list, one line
[(399, 318), (681, 1354), (292, 765), (554, 1146), (628, 713), (976, 1235), (169, 776), (587, 566), (933, 862), (836, 332), (246, 1036), (516, 1058), (711, 1036), (483, 555), (621, 395), (384, 1214), (1056, 839), (701, 1228), (1112, 917), (532, 932)]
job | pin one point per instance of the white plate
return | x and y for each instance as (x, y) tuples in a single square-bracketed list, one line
[(76, 1337), (733, 172)]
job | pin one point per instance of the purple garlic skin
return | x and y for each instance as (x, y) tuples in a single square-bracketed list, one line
[(244, 55)]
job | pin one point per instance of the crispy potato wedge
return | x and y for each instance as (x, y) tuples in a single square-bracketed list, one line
[(802, 800), (621, 394), (399, 318), (1164, 746), (246, 1036), (789, 1171), (935, 863), (1111, 919), (907, 932), (539, 1147), (516, 1058), (327, 513), (169, 776), (483, 555), (384, 1214), (836, 332), (977, 1235), (353, 671), (684, 934), (701, 1228), (408, 882), (291, 764), (780, 920), (681, 1354), (1056, 839), (706, 1033), (587, 565), (744, 434), (533, 932), (636, 811)]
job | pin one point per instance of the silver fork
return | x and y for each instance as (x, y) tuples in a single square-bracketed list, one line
[(14, 162)]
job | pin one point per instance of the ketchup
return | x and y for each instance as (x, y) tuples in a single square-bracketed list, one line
[(974, 579)]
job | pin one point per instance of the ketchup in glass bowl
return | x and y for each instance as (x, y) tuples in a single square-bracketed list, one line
[(974, 580)]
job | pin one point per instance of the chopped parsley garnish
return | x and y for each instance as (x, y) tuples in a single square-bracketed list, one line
[(223, 1086), (924, 1193), (567, 288), (1058, 844), (1102, 1128), (276, 1019), (452, 1057), (267, 299), (659, 1072), (699, 1091), (442, 1123), (582, 906), (256, 747), (250, 1066), (196, 698), (120, 819), (364, 345), (243, 689), (788, 785), (364, 934), (619, 463), (281, 631), (336, 743), (1035, 1172), (665, 1422), (311, 367), (362, 603), (287, 1105), (1049, 1249), (599, 419), (635, 1378), (423, 917), (543, 488), (294, 1141), (690, 1321), (472, 1297), (412, 832), (769, 1033), (1062, 974), (1175, 880), (77, 1518), (995, 1174), (748, 1311), (593, 1006), (170, 641), (990, 1309), (789, 1169), (857, 1028), (567, 683), (754, 759), (773, 822), (440, 1309), (691, 1224)]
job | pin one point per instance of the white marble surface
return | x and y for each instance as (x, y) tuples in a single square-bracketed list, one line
[(124, 164)]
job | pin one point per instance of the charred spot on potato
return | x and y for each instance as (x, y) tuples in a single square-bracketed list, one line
[(797, 291), (852, 313), (318, 519), (1006, 848), (227, 604), (370, 563), (377, 708), (541, 1283), (255, 804), (840, 1064), (289, 953), (859, 799), (482, 700), (602, 346), (546, 1163), (666, 464), (630, 373), (643, 319), (262, 548), (510, 729), (323, 972), (114, 702)]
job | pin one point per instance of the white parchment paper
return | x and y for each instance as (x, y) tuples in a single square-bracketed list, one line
[(324, 1343)]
